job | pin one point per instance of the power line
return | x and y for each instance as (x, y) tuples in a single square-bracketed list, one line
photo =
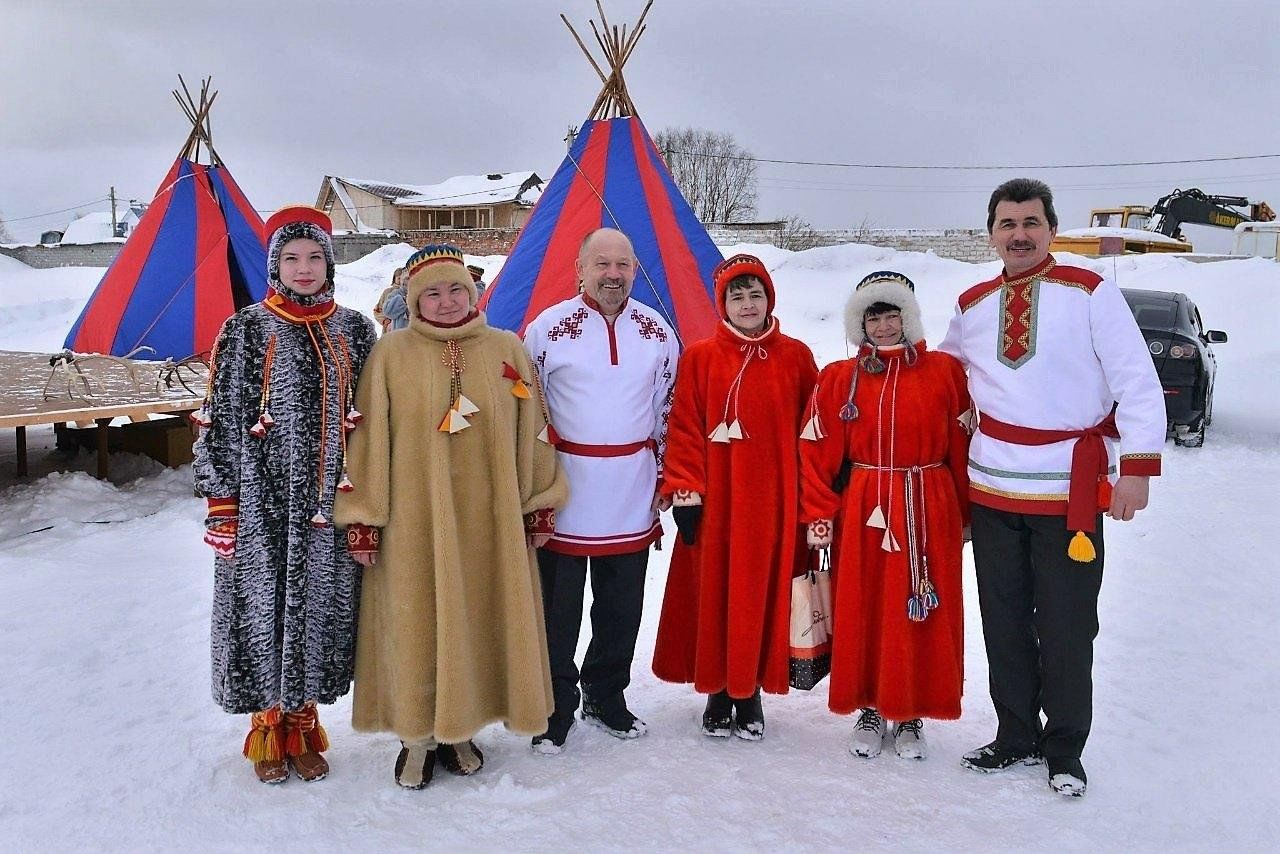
[(51, 213), (957, 168)]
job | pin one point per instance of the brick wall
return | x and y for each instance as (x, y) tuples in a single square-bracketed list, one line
[(70, 255), (473, 241)]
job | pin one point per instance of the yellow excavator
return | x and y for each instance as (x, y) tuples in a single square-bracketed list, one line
[(1138, 228)]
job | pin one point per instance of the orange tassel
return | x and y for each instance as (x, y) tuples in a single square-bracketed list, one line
[(303, 733), (318, 739)]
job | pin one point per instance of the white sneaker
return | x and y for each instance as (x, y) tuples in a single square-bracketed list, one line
[(908, 739), (868, 734)]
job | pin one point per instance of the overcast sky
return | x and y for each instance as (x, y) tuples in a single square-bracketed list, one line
[(419, 91)]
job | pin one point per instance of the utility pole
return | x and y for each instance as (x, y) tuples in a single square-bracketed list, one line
[(114, 227)]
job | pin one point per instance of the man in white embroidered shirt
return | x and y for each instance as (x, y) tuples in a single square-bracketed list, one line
[(607, 367), (1057, 366)]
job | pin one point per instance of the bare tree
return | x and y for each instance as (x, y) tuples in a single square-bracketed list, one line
[(5, 236), (798, 235), (716, 175)]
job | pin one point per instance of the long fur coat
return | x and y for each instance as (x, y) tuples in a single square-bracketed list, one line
[(451, 627), (284, 608)]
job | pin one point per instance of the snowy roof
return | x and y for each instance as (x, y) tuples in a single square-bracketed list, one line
[(95, 227), (1126, 233), (459, 191)]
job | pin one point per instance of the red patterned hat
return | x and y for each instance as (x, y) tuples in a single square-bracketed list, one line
[(298, 213), (742, 265)]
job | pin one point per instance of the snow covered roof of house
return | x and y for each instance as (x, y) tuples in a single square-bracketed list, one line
[(95, 226), (459, 191)]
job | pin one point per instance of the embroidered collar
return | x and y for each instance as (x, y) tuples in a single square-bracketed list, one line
[(463, 322), (595, 306), (893, 351), (281, 306), (1036, 272), (474, 324)]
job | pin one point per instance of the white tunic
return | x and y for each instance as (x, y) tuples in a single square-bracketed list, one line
[(1054, 349), (607, 385)]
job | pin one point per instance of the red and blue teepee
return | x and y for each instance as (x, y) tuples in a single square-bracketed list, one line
[(613, 176), (196, 256)]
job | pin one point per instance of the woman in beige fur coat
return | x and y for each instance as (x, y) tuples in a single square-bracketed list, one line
[(451, 486)]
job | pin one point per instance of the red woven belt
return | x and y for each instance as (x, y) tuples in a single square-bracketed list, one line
[(580, 450), (1088, 461)]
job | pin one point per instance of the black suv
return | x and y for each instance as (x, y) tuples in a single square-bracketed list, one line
[(1179, 345)]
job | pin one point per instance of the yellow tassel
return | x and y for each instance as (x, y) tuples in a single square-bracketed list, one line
[(1081, 548), (263, 741), (255, 748)]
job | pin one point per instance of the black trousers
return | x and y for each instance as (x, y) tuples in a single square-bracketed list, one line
[(617, 591), (1039, 618)]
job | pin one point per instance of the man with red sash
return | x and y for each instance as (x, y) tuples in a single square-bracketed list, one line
[(607, 365), (1057, 367)]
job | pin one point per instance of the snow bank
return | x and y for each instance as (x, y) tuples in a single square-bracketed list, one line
[(113, 743)]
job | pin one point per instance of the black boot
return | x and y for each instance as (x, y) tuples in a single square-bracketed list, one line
[(717, 718), (749, 718)]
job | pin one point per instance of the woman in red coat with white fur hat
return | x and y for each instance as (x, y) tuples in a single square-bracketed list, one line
[(884, 458)]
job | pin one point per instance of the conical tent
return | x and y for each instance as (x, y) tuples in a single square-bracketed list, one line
[(613, 176), (196, 256)]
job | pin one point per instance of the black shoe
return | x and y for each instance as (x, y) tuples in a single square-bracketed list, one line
[(452, 762), (552, 741), (995, 757), (1067, 777), (717, 719), (749, 718), (613, 716)]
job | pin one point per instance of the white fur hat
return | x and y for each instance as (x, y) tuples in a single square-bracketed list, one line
[(888, 287)]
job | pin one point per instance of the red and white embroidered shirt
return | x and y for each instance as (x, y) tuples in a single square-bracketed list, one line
[(1053, 349), (608, 388)]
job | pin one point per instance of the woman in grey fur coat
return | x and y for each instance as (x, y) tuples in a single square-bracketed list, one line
[(270, 458)]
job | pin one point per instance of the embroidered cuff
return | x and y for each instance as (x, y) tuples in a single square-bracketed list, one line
[(1143, 465), (540, 521), (363, 539), (686, 498), (224, 506), (818, 533)]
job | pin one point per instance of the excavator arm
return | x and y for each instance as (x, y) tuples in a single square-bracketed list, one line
[(1198, 208)]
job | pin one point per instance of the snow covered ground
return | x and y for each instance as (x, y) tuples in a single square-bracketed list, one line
[(110, 741)]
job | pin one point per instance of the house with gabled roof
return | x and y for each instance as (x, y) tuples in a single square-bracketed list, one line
[(495, 200)]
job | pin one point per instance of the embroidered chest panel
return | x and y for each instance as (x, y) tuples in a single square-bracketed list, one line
[(648, 327), (569, 327), (1019, 316)]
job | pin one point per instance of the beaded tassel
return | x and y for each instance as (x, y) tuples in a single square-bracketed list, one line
[(455, 419), (265, 421)]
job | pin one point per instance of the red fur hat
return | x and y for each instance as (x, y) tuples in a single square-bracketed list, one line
[(298, 213), (742, 265)]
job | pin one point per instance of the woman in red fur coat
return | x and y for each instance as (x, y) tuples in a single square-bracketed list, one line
[(732, 469), (891, 425)]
